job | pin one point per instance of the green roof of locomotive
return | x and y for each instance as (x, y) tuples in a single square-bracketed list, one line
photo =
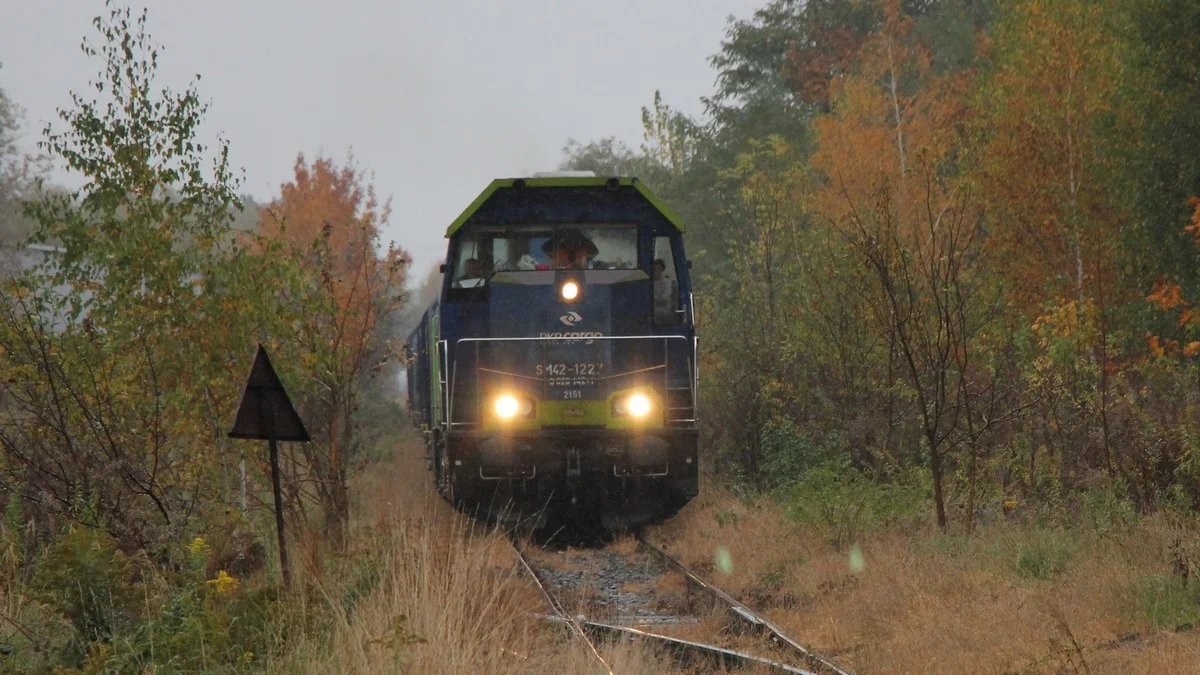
[(555, 181)]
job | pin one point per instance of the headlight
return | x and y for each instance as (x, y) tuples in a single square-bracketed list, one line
[(508, 406), (570, 290), (636, 404), (639, 405)]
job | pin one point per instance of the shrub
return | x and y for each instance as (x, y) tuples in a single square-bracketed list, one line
[(1168, 602), (1045, 556), (87, 580), (1107, 507), (789, 454), (842, 503)]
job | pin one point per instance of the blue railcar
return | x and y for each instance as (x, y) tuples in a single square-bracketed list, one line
[(556, 374)]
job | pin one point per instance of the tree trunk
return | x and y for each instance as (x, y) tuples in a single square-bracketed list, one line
[(337, 507), (971, 490), (888, 441), (939, 500), (337, 512)]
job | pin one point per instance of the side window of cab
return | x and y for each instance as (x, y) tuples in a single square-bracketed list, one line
[(666, 284), (468, 270)]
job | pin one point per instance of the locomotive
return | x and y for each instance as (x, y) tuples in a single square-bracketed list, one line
[(555, 378)]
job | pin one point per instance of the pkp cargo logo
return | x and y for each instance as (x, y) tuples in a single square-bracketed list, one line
[(570, 319)]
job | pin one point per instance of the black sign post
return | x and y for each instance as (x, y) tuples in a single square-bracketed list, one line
[(266, 413)]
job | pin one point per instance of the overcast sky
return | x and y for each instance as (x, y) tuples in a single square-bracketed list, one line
[(435, 97)]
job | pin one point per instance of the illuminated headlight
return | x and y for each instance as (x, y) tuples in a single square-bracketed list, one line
[(632, 405), (639, 405), (508, 406), (570, 290)]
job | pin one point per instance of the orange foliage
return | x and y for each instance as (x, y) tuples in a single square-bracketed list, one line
[(1155, 345), (1166, 294), (1055, 74), (828, 55), (882, 127), (1194, 227), (327, 206), (320, 196)]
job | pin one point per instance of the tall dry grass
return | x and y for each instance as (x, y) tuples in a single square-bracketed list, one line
[(445, 601), (1014, 597), (425, 590)]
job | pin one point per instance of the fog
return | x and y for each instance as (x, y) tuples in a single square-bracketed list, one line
[(436, 99)]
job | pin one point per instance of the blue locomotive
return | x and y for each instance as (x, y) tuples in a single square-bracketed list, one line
[(555, 378)]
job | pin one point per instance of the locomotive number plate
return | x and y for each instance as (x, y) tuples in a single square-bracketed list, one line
[(570, 380), (569, 371)]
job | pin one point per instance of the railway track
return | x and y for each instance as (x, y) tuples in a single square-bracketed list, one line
[(687, 652), (741, 612), (559, 612)]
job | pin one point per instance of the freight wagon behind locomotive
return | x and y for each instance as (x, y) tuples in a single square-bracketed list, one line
[(555, 377)]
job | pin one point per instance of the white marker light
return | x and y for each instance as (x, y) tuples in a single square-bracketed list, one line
[(570, 290), (506, 406)]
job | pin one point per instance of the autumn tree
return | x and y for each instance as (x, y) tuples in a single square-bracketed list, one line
[(887, 156), (328, 219), (845, 142), (115, 357), (1153, 149), (1168, 296), (1054, 77)]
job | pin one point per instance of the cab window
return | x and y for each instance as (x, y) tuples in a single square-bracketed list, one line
[(666, 284), (485, 251)]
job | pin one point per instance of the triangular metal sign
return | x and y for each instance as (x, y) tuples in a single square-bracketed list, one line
[(266, 411)]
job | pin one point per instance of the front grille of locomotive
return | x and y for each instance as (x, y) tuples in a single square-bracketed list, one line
[(572, 381)]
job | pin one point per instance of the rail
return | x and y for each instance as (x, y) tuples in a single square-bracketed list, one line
[(744, 613), (559, 612), (685, 651)]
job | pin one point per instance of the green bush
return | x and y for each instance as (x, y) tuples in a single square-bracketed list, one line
[(789, 454), (1045, 556), (1168, 602), (843, 503), (1107, 507), (87, 580), (130, 616)]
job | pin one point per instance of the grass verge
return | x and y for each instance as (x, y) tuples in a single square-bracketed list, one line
[(901, 597)]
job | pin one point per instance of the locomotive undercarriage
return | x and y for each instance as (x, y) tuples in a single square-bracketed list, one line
[(581, 478)]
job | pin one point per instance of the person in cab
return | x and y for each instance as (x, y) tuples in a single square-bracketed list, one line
[(570, 249), (666, 294)]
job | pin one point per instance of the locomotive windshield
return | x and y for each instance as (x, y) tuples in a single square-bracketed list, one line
[(488, 250)]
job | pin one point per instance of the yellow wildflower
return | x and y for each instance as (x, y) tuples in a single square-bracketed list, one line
[(223, 583), (198, 548)]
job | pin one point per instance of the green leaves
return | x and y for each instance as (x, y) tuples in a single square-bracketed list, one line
[(118, 353)]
